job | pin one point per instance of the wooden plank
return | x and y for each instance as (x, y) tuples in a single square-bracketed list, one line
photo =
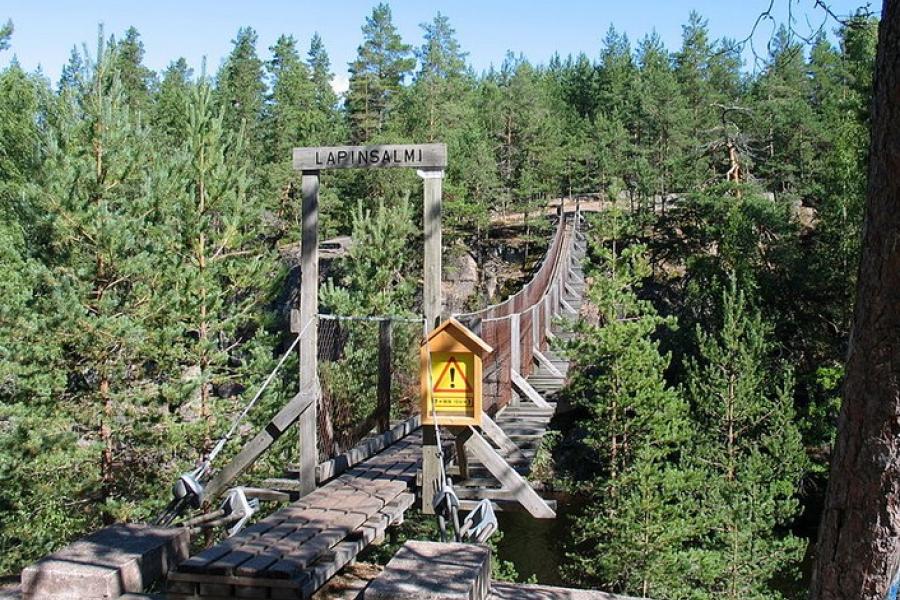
[(309, 308), (508, 477), (525, 388), (501, 505), (366, 449), (261, 442), (417, 156), (567, 307), (494, 433)]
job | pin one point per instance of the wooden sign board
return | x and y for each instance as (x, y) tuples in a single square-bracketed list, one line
[(451, 374), (418, 156)]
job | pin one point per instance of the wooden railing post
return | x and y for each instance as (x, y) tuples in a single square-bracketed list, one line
[(515, 350), (385, 351)]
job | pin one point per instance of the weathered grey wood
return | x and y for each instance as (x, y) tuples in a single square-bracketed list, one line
[(501, 505), (417, 156), (385, 343), (529, 392), (515, 342), (309, 308), (115, 560), (508, 477), (366, 449), (432, 305), (494, 433), (545, 362), (432, 183), (434, 571), (567, 307), (431, 468), (261, 442)]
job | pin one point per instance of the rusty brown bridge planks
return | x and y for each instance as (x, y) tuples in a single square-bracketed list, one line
[(294, 551)]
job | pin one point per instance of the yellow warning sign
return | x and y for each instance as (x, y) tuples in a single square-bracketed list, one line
[(451, 389), (451, 375)]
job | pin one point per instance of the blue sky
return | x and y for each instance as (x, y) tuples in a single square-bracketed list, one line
[(46, 30)]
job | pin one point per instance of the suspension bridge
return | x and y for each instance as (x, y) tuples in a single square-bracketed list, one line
[(334, 508)]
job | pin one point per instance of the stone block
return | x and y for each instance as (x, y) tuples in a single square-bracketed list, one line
[(106, 564), (434, 571)]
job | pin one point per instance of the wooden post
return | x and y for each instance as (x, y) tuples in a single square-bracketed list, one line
[(432, 223), (385, 342), (309, 342), (515, 342), (431, 304), (515, 351)]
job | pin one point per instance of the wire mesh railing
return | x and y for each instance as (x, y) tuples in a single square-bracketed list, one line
[(368, 376)]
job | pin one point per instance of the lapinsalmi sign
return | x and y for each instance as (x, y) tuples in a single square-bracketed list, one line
[(420, 156)]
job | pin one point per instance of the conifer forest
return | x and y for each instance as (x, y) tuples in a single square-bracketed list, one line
[(148, 222)]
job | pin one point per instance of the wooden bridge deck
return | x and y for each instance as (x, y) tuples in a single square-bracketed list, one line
[(294, 551)]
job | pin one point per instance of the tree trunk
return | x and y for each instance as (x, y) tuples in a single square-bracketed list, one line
[(859, 538)]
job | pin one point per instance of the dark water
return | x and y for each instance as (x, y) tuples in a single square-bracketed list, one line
[(537, 546)]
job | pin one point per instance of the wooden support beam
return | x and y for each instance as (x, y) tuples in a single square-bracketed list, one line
[(493, 432), (508, 477), (385, 351), (529, 392), (432, 307), (261, 442), (567, 307), (309, 342), (545, 362)]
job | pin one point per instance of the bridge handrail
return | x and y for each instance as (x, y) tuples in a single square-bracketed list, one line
[(519, 326)]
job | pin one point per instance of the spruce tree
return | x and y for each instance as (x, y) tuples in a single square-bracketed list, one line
[(326, 126), (240, 89), (383, 61), (138, 82), (170, 114), (290, 110)]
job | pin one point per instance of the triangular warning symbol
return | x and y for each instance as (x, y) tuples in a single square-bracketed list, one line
[(452, 381)]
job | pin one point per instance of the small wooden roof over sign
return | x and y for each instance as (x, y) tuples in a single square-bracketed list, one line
[(461, 334)]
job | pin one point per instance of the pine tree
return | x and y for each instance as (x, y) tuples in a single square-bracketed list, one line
[(749, 447), (219, 269), (93, 195), (382, 63), (637, 431)]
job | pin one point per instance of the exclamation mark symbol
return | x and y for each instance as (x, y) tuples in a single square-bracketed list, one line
[(452, 377)]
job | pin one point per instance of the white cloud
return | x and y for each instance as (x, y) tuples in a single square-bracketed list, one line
[(340, 84)]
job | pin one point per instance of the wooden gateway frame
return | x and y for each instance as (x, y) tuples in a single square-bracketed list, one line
[(430, 162)]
